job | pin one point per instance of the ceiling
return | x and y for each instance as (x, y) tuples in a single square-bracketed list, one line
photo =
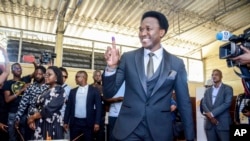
[(193, 23)]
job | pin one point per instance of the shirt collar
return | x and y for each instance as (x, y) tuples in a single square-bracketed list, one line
[(218, 87), (83, 87), (158, 53)]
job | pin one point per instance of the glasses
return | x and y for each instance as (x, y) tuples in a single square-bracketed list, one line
[(47, 74), (17, 69)]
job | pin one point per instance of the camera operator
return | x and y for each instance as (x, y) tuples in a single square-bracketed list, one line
[(242, 109), (244, 58)]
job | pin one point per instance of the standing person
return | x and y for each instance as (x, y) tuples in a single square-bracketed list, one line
[(148, 89), (13, 92), (216, 105), (97, 77), (114, 109), (67, 89), (242, 111), (83, 109), (45, 116), (33, 90)]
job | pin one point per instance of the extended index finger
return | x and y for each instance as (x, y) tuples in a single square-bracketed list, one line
[(113, 42)]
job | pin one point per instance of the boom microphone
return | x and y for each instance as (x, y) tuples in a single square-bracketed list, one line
[(223, 36)]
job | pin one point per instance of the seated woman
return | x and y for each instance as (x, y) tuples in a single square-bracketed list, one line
[(45, 117)]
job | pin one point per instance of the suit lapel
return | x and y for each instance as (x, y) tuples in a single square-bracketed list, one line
[(210, 100), (165, 69), (139, 62), (74, 95), (88, 97)]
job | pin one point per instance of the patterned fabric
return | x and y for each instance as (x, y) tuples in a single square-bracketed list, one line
[(32, 91), (49, 104)]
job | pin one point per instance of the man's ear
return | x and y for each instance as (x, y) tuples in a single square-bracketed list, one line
[(162, 32)]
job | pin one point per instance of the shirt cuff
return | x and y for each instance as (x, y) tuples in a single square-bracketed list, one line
[(109, 71), (212, 114)]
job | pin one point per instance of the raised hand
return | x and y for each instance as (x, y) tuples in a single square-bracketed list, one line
[(112, 55)]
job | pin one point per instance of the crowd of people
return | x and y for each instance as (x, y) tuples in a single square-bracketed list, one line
[(135, 89)]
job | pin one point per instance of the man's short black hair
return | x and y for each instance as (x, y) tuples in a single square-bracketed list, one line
[(12, 66), (42, 68), (163, 22)]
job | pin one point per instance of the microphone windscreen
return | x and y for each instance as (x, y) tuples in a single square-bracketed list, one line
[(223, 36)]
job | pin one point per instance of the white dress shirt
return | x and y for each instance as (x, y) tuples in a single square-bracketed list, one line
[(115, 107), (81, 102), (215, 93)]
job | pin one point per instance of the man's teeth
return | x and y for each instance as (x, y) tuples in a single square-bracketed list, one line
[(145, 39)]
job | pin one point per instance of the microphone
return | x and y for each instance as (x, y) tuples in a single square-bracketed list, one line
[(223, 36)]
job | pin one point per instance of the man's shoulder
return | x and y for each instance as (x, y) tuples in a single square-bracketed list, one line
[(93, 87), (7, 84), (227, 86), (74, 89)]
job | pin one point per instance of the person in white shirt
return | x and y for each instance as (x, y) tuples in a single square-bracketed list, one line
[(67, 89), (216, 105), (114, 109), (83, 109)]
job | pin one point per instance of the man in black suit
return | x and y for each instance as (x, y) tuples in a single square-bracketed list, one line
[(151, 74), (83, 109)]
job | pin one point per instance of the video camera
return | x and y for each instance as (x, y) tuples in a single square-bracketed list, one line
[(47, 57), (232, 48), (246, 107)]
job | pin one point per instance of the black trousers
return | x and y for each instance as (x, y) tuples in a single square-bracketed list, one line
[(80, 130)]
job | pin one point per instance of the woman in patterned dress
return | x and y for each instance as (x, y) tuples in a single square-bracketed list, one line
[(45, 117)]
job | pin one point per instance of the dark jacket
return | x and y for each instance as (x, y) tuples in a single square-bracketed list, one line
[(93, 107)]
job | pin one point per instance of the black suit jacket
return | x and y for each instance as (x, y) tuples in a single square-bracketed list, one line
[(93, 107), (156, 109)]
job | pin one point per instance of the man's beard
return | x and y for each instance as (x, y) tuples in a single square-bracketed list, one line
[(99, 82), (39, 80)]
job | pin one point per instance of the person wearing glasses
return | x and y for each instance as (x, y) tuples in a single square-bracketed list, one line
[(67, 89), (13, 92), (45, 116)]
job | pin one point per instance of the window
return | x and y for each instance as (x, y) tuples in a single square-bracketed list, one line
[(195, 70)]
